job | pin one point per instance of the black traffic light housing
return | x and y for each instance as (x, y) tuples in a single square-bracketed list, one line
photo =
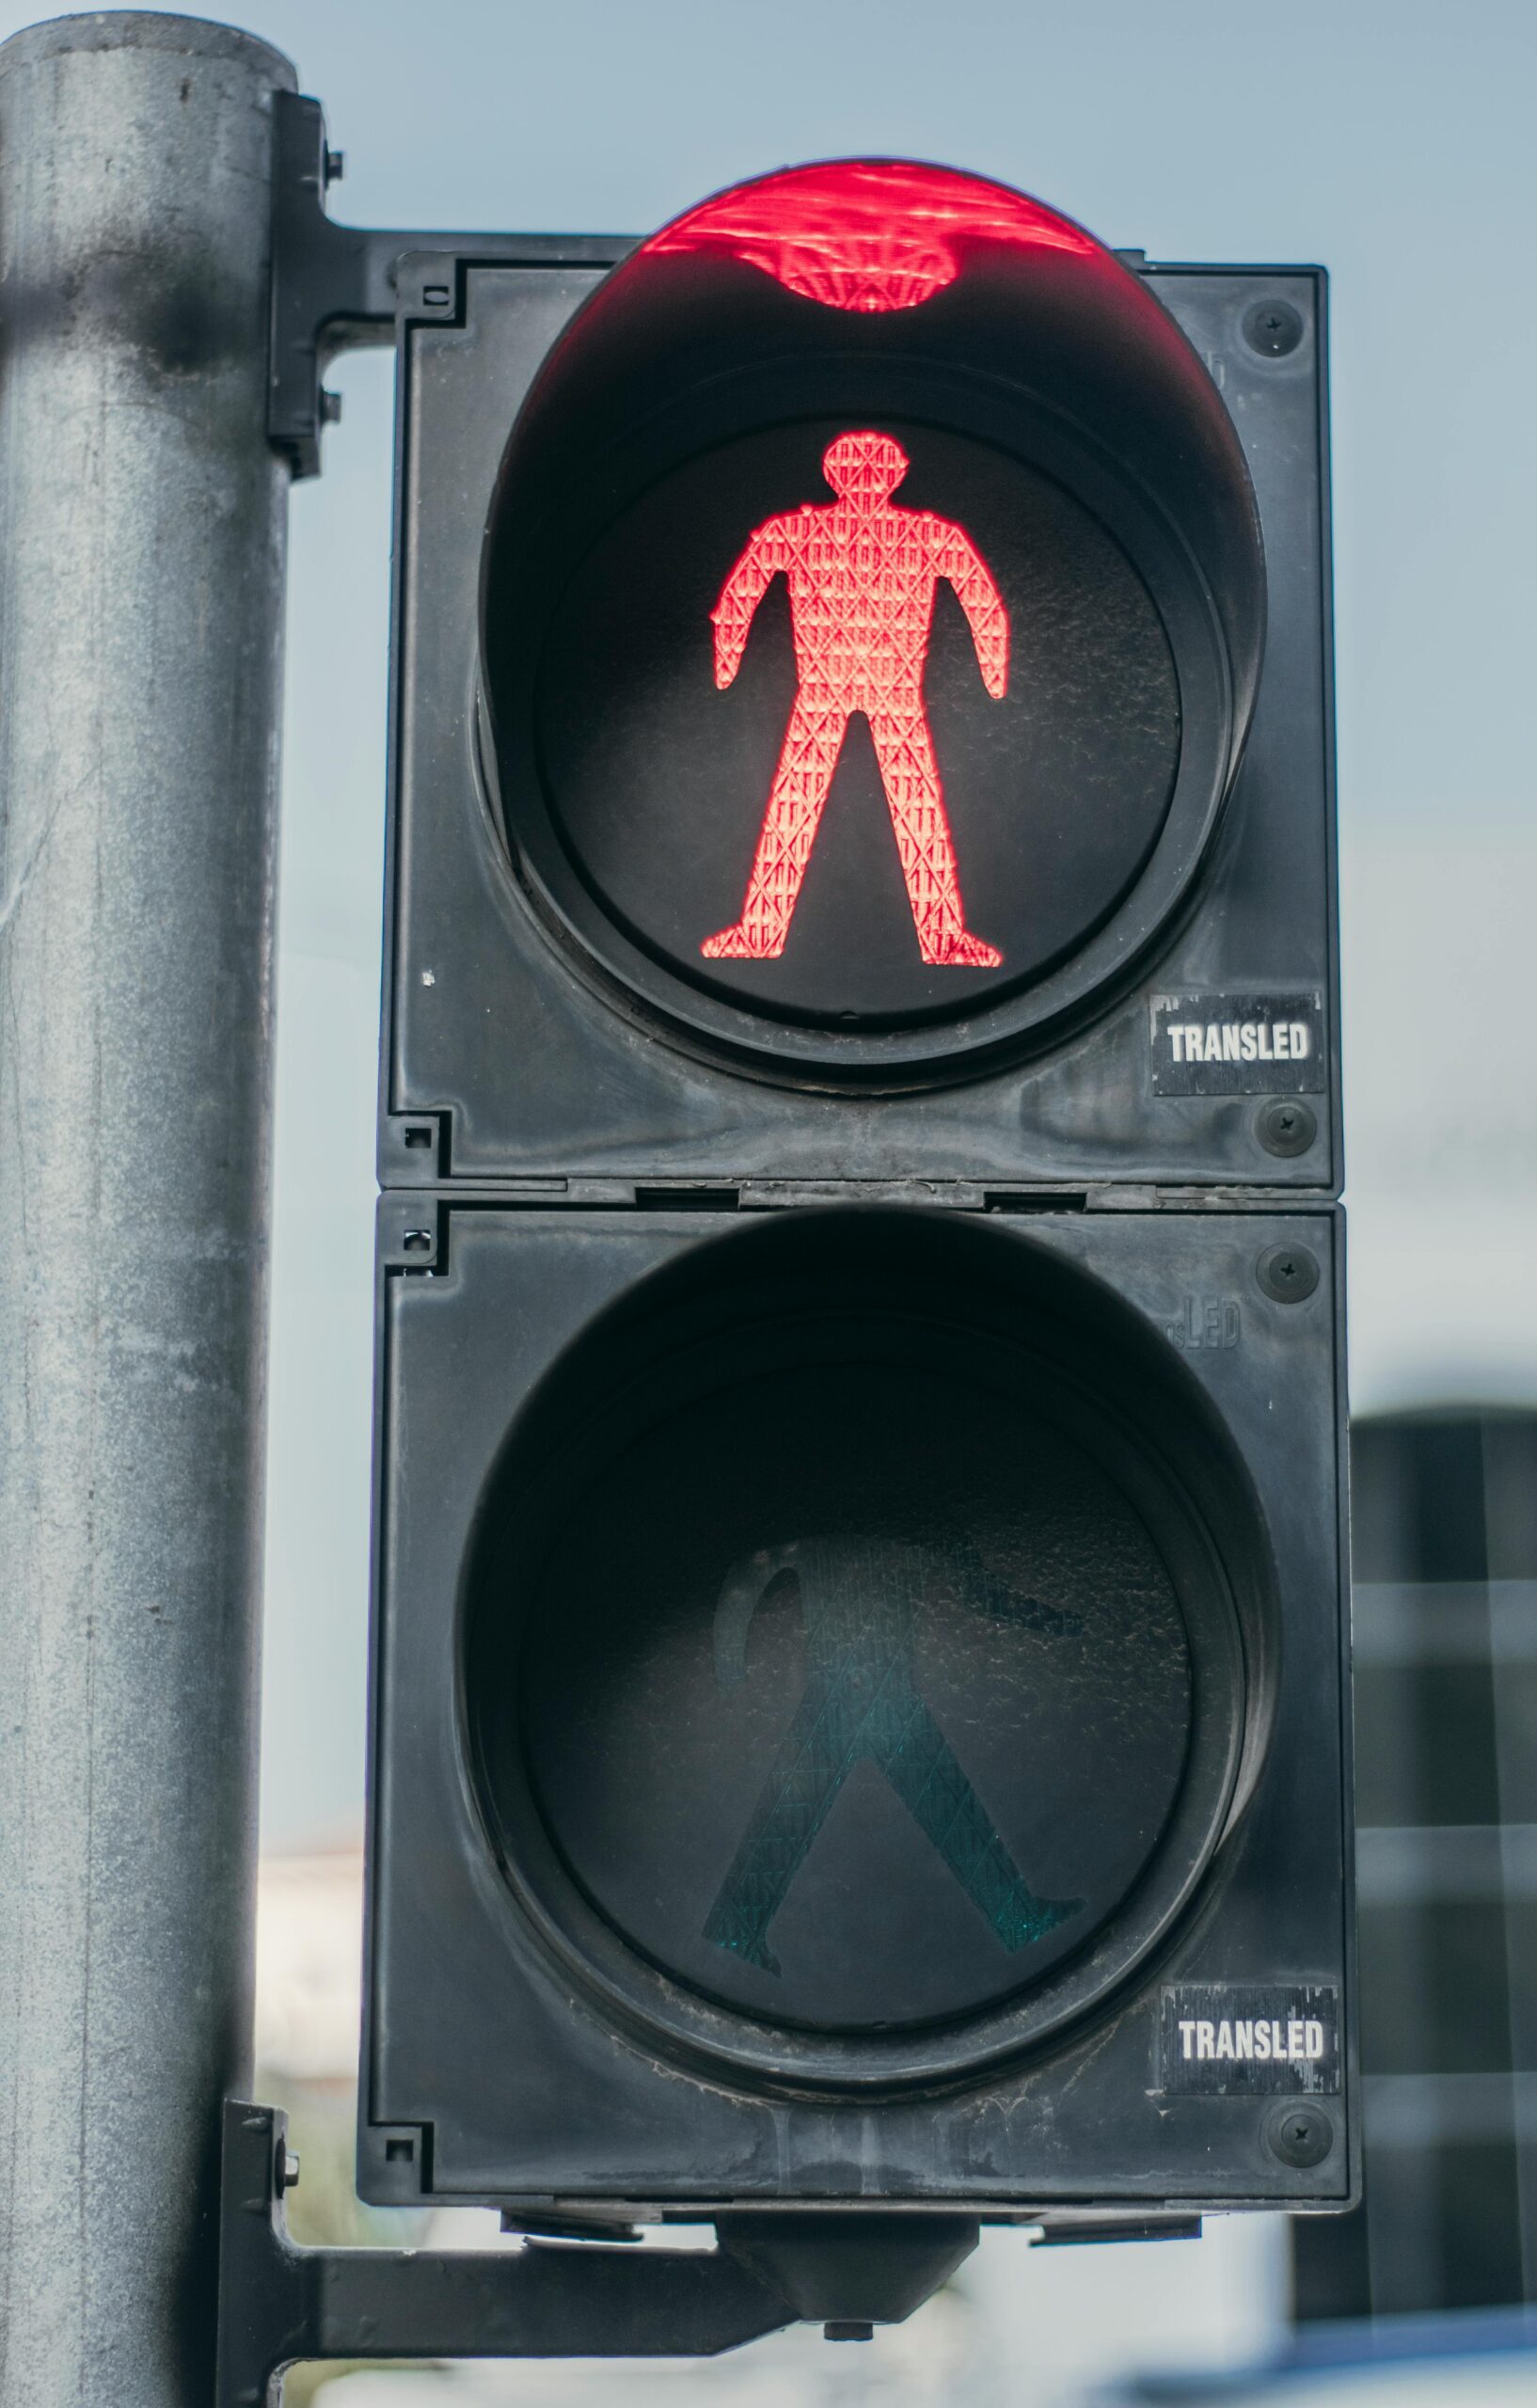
[(574, 804), (563, 1774), (858, 1706)]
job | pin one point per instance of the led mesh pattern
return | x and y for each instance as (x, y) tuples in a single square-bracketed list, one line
[(862, 574), (868, 235)]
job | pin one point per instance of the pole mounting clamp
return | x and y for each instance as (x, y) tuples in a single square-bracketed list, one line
[(280, 2302), (334, 286)]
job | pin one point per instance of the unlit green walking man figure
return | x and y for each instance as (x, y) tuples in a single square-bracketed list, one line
[(860, 1703)]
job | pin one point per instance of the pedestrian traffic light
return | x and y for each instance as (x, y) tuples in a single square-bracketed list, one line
[(859, 1708)]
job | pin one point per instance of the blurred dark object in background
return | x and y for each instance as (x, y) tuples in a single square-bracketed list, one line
[(1445, 1563)]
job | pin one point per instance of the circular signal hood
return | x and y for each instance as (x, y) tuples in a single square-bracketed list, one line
[(872, 612), (854, 1690)]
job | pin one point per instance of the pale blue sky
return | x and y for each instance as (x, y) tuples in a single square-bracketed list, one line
[(1389, 139)]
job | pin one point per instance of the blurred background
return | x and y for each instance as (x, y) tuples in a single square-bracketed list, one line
[(1392, 140)]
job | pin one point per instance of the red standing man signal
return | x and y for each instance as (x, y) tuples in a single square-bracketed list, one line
[(862, 575)]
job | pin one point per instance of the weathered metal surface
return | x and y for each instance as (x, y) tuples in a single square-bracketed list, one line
[(141, 557)]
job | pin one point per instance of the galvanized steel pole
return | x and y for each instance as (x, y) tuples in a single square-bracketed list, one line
[(141, 567)]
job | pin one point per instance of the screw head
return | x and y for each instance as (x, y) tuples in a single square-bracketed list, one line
[(330, 406), (1286, 1126), (1299, 2132), (844, 2329), (1287, 1272), (336, 165), (1272, 328), (288, 2169)]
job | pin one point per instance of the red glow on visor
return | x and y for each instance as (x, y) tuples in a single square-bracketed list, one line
[(862, 574), (868, 235)]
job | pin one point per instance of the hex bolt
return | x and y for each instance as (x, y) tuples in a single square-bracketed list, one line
[(1299, 2133), (1272, 328), (1285, 1125), (330, 406), (847, 2330), (288, 2169), (336, 165), (1287, 1272)]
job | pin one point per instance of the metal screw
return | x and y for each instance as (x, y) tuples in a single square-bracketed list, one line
[(1286, 1127), (1299, 2133), (330, 406), (1272, 328), (845, 2330), (1288, 1272), (336, 165), (288, 2169)]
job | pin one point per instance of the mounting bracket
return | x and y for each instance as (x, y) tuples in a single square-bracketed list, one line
[(333, 286), (279, 2303)]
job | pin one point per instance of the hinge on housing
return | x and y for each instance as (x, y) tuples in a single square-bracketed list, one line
[(411, 1233), (413, 1145), (1072, 2234)]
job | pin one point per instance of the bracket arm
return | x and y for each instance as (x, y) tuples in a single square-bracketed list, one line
[(333, 286)]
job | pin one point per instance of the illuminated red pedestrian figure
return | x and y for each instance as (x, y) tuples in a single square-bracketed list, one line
[(862, 575)]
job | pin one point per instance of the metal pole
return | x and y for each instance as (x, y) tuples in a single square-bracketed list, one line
[(141, 566)]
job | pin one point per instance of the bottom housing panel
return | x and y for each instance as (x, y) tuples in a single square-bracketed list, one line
[(858, 1711)]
